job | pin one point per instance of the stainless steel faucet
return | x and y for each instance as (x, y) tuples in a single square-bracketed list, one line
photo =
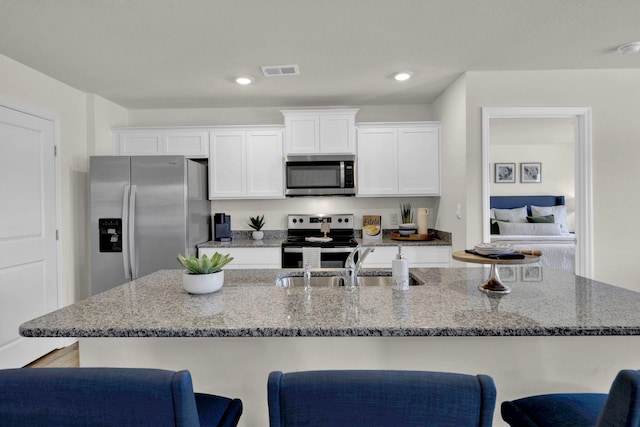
[(352, 268)]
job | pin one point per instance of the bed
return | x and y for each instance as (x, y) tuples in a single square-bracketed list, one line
[(535, 222)]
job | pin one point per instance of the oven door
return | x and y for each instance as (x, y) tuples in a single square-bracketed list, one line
[(329, 257)]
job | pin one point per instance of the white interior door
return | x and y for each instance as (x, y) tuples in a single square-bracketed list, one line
[(28, 249)]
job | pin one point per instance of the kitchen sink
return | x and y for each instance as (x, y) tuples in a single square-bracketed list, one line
[(329, 281)]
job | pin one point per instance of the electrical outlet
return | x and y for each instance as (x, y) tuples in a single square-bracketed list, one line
[(394, 219)]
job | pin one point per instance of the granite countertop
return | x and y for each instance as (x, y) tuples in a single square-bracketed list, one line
[(447, 303), (274, 238)]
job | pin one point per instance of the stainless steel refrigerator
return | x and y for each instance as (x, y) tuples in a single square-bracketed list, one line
[(145, 210)]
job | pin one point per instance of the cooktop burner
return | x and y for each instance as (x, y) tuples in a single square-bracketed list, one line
[(306, 230)]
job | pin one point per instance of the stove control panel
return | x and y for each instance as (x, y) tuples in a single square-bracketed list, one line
[(314, 222)]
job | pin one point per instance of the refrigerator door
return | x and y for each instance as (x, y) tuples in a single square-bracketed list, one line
[(109, 193), (159, 217), (198, 205)]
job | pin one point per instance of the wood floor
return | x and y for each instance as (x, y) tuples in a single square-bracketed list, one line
[(67, 357)]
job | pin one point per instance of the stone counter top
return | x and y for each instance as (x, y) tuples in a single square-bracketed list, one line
[(275, 238), (447, 303)]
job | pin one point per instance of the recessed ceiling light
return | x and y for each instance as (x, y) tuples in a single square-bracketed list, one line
[(244, 80), (402, 76), (633, 47)]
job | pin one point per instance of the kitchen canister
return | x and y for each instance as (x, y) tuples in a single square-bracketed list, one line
[(422, 220)]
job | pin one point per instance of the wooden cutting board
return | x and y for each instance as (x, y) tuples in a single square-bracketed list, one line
[(398, 236)]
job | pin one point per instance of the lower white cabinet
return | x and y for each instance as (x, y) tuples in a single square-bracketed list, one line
[(398, 159), (248, 257), (189, 142), (246, 163), (418, 256)]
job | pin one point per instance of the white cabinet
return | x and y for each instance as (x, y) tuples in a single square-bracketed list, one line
[(247, 257), (418, 256), (246, 163), (320, 131), (187, 142), (399, 159)]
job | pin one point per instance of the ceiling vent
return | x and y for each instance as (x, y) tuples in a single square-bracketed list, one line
[(280, 70)]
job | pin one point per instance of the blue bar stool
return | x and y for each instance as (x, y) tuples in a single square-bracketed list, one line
[(109, 397), (354, 398), (620, 408)]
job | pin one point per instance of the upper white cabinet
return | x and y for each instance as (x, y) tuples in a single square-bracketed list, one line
[(399, 159), (320, 131), (187, 142), (246, 162)]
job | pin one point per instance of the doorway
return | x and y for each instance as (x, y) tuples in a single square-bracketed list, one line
[(29, 248), (581, 119)]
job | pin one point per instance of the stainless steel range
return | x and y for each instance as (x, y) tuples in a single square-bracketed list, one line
[(333, 234)]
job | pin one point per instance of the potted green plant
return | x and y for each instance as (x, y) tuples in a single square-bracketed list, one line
[(205, 274), (257, 222), (405, 213), (407, 227)]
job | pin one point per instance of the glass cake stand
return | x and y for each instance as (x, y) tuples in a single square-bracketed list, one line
[(493, 285)]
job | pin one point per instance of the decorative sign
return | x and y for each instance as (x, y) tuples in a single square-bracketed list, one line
[(371, 227)]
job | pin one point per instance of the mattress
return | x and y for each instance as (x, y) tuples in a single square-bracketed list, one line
[(558, 252)]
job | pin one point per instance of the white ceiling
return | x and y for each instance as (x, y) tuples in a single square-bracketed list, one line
[(185, 53)]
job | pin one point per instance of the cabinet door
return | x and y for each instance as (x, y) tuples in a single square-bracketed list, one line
[(227, 165), (377, 162), (419, 161), (189, 144), (247, 257), (139, 143), (302, 134), (265, 164), (418, 256), (337, 134)]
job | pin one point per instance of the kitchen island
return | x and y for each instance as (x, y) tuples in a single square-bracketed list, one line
[(554, 332)]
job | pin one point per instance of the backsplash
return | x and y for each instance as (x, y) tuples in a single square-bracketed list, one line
[(275, 211)]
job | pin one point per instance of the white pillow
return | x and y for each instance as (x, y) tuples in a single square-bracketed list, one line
[(511, 215), (559, 213), (530, 229)]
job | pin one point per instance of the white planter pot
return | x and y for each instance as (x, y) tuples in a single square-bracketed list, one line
[(257, 235), (202, 283)]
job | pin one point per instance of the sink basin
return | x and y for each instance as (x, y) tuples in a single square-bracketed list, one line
[(294, 281), (381, 280)]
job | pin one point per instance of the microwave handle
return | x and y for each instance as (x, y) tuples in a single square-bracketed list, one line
[(342, 179)]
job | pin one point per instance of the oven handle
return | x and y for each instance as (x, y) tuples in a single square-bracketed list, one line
[(298, 250)]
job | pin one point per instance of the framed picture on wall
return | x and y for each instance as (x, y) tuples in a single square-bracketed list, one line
[(532, 273), (530, 172), (505, 172)]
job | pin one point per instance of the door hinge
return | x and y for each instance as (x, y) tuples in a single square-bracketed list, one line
[(57, 235), (55, 150)]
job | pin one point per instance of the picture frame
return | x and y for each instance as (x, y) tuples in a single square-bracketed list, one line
[(505, 173), (508, 273), (531, 172), (531, 273), (371, 228)]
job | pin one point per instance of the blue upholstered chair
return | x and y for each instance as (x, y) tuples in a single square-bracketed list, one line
[(380, 398), (109, 397), (620, 408)]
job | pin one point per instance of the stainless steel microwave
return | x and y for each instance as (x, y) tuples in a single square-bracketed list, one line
[(320, 175)]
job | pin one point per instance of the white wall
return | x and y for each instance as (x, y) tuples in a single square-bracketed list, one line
[(450, 109), (36, 90), (614, 96), (267, 115), (79, 137), (102, 115)]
